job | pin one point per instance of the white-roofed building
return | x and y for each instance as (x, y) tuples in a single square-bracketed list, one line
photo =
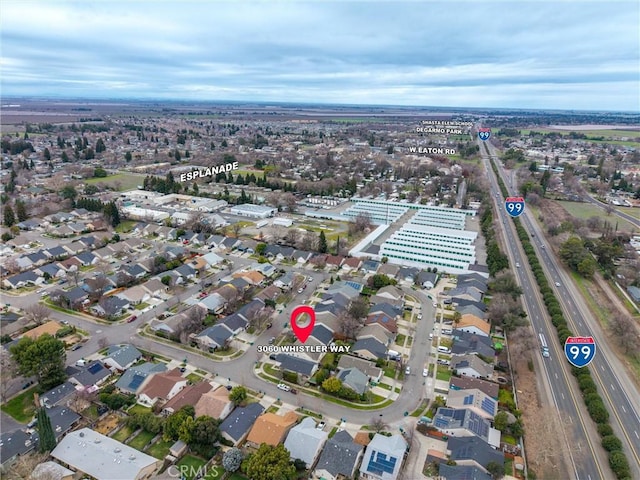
[(253, 211), (102, 457)]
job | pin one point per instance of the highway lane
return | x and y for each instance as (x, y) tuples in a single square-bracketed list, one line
[(583, 460), (615, 385)]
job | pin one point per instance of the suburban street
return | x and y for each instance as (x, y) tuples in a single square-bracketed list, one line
[(241, 370), (587, 456), (629, 218)]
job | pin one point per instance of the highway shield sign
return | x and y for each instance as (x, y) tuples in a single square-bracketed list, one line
[(580, 350), (514, 206), (484, 134)]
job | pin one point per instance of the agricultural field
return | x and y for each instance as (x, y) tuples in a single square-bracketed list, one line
[(587, 210), (119, 182)]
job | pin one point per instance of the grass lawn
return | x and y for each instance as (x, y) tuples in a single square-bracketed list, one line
[(390, 371), (587, 210), (125, 226), (400, 339), (121, 181), (141, 306), (384, 385), (140, 441), (160, 449), (91, 412), (137, 408), (122, 434), (443, 373), (194, 463), (237, 476), (21, 407), (214, 473), (194, 377)]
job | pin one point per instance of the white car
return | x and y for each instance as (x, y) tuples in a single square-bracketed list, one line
[(419, 316), (517, 265), (284, 387), (435, 304), (431, 336), (300, 290), (407, 371), (557, 284), (425, 372)]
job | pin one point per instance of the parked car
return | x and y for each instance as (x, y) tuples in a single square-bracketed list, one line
[(77, 346), (407, 371), (132, 318), (425, 372), (294, 391), (321, 426), (300, 290), (27, 384), (272, 340), (284, 387)]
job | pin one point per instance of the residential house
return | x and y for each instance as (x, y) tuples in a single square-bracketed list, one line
[(155, 288), (271, 429), (474, 400), (110, 307), (389, 269), (383, 458), (214, 303), (472, 324), (465, 342), (384, 320), (87, 259), (216, 336), (162, 387), (214, 404), (396, 304), (23, 279), (305, 368), (59, 395), (348, 288), (301, 257), (212, 259), (189, 395), (251, 276), (373, 373), (334, 261), (354, 379), (407, 274), (465, 423), (121, 357), (370, 266), (339, 459), (50, 328), (15, 443), (51, 270), (305, 441), (73, 298), (464, 383), (56, 253), (351, 264), (134, 295), (91, 376), (467, 293), (369, 348), (378, 332), (187, 272), (37, 258), (471, 366), (135, 378), (285, 282), (237, 425), (51, 470), (462, 472), (270, 293), (426, 280)]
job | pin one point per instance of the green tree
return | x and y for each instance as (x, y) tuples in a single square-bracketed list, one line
[(47, 154), (175, 420), (332, 385), (260, 248), (205, 434), (501, 421), (495, 469), (112, 214), (238, 395), (9, 216), (68, 192), (43, 358), (269, 463), (99, 172), (47, 439), (166, 280), (611, 443), (127, 156), (322, 243), (185, 431)]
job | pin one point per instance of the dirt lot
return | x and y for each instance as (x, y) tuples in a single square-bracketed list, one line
[(108, 424)]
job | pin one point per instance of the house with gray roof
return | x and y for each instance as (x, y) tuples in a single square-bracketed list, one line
[(462, 472), (383, 458), (473, 451), (370, 266), (134, 379), (121, 357), (471, 366), (236, 426), (465, 423), (58, 395), (340, 457), (52, 270), (215, 336), (14, 444), (300, 366), (56, 252), (213, 303), (475, 400), (354, 379), (91, 376), (305, 441), (322, 333), (464, 383), (369, 348), (465, 342), (87, 258), (110, 306), (373, 373), (23, 279), (285, 282)]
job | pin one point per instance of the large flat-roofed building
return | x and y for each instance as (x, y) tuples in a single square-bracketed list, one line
[(411, 206), (253, 211), (102, 457), (147, 214), (382, 213), (440, 218), (452, 251)]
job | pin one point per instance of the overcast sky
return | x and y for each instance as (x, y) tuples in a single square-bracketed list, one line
[(494, 53)]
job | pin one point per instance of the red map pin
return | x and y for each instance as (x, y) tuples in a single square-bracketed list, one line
[(303, 332)]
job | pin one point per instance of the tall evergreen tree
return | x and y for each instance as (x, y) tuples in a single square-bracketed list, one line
[(322, 243), (9, 216), (45, 432), (21, 211)]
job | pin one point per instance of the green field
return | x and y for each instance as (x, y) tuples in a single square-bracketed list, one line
[(634, 212), (122, 434), (21, 407), (193, 463), (588, 210), (160, 449), (121, 181)]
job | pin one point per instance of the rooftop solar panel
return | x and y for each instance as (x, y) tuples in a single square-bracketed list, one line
[(488, 405), (468, 400), (136, 381), (95, 368)]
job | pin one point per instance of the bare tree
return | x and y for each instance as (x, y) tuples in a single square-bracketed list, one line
[(12, 265), (193, 319), (623, 328), (309, 241), (81, 400), (103, 342), (348, 326), (37, 313), (24, 466), (236, 228), (98, 286), (292, 237), (8, 368), (377, 424)]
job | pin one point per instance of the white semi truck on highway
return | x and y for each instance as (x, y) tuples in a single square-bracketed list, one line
[(543, 346)]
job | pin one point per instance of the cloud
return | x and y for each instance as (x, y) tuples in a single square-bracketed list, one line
[(582, 54)]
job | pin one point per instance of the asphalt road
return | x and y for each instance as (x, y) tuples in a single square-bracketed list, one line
[(629, 218), (587, 455)]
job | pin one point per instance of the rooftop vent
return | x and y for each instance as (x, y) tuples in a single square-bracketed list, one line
[(116, 450), (82, 434)]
